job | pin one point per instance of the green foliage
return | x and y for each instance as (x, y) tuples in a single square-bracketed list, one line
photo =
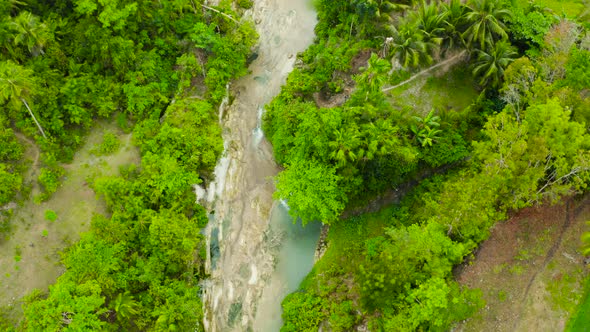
[(189, 135), (10, 151), (424, 129), (539, 157), (411, 256), (302, 312), (10, 184), (523, 155), (50, 215), (434, 306), (49, 178), (586, 242), (110, 144), (450, 147), (486, 18), (578, 69), (490, 64), (136, 270), (529, 23), (246, 4), (579, 321), (409, 46), (77, 306), (312, 192), (343, 316)]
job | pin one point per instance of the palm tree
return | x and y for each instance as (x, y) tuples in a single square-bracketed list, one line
[(454, 18), (485, 22), (408, 46), (430, 22), (346, 146), (380, 9), (490, 64), (381, 138), (28, 30), (11, 6), (372, 79), (124, 305), (16, 84)]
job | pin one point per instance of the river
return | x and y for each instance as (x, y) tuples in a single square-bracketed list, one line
[(257, 254)]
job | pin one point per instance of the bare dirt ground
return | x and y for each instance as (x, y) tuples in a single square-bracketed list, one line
[(529, 270)]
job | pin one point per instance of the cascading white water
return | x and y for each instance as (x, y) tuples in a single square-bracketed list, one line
[(242, 252), (258, 134)]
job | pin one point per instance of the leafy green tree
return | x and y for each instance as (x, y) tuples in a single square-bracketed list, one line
[(519, 78), (346, 146), (312, 191), (11, 150), (410, 256), (371, 15), (543, 157), (490, 64), (172, 239), (10, 184), (434, 305), (69, 307), (578, 69), (529, 23), (178, 307), (486, 22)]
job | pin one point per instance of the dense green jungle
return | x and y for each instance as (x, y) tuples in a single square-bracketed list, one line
[(409, 129)]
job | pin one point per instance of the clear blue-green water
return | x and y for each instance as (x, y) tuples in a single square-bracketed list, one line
[(294, 261)]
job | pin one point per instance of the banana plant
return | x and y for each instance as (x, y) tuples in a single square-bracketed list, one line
[(425, 129)]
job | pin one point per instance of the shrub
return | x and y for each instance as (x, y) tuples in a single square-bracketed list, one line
[(246, 4), (50, 215), (110, 144)]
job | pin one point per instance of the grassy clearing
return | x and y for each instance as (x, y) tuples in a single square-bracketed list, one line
[(569, 8), (452, 90)]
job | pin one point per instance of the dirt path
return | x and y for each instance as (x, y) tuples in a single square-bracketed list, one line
[(448, 62), (529, 270)]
